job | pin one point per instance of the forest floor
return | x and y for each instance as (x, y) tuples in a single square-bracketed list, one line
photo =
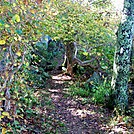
[(69, 115)]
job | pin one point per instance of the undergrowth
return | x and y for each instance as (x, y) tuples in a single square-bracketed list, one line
[(97, 93)]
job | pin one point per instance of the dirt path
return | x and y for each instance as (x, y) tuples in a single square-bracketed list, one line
[(78, 118)]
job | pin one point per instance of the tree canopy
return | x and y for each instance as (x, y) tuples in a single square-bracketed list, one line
[(53, 50)]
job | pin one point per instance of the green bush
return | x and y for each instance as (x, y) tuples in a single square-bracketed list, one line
[(46, 53), (78, 91), (101, 92)]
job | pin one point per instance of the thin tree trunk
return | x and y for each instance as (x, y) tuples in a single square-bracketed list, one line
[(122, 62), (71, 59), (70, 50)]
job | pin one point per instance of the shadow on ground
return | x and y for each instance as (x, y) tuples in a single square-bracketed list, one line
[(73, 115)]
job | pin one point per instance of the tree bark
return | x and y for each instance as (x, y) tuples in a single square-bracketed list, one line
[(71, 59), (70, 50), (122, 58)]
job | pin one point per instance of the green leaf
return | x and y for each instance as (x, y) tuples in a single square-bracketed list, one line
[(18, 31), (5, 114), (1, 22), (6, 25), (85, 53)]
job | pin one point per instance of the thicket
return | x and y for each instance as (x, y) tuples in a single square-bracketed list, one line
[(31, 39)]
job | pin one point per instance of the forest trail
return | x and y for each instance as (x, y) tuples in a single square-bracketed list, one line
[(78, 118)]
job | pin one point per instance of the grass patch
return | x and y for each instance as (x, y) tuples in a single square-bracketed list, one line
[(78, 91)]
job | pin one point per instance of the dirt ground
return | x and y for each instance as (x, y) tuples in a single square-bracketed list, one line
[(79, 118)]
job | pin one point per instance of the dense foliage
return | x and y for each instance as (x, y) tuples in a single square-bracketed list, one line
[(18, 29), (33, 41)]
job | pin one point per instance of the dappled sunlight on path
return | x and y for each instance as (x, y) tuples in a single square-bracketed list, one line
[(61, 77), (75, 116), (78, 118)]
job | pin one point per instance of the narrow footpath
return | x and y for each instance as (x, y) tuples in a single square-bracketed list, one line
[(78, 118)]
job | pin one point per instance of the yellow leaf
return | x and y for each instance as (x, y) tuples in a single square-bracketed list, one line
[(3, 130), (1, 117), (17, 18), (6, 26), (2, 42), (6, 73), (14, 4), (32, 11), (18, 53), (5, 114), (85, 53)]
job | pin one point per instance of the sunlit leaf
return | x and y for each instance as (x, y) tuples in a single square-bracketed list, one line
[(14, 4), (15, 64), (32, 11), (6, 26), (18, 53), (5, 114), (15, 38), (85, 53), (19, 38), (2, 42), (16, 18), (1, 117), (3, 130), (27, 64)]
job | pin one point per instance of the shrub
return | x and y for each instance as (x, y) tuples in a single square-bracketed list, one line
[(101, 93)]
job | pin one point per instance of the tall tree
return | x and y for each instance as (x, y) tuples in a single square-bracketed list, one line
[(122, 58)]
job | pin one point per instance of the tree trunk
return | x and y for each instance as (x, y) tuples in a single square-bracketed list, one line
[(70, 51), (122, 58), (71, 59)]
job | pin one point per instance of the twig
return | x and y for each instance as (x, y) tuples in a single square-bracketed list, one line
[(84, 63), (9, 78)]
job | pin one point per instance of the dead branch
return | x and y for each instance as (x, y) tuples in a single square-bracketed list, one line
[(84, 63)]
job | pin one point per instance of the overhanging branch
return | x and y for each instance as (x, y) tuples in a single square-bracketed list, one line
[(84, 63)]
